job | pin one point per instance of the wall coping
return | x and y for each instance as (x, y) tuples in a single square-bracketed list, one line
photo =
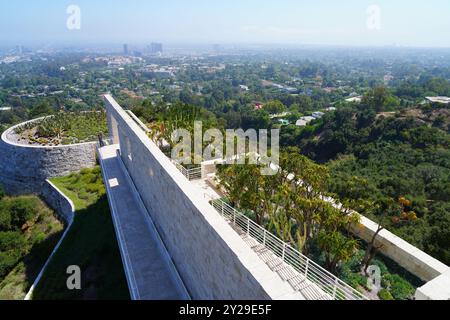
[(437, 289), (9, 131)]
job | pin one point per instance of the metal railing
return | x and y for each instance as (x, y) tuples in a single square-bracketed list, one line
[(190, 174), (331, 285), (105, 142)]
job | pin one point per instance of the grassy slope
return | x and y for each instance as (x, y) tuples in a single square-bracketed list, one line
[(91, 244), (41, 238)]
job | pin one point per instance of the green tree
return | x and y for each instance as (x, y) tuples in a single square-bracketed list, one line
[(42, 109), (274, 107), (337, 248), (292, 200), (379, 99)]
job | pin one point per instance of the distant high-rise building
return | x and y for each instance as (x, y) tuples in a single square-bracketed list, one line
[(19, 50), (156, 48), (125, 49)]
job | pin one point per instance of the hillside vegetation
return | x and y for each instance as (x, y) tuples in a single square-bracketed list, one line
[(401, 156), (29, 230)]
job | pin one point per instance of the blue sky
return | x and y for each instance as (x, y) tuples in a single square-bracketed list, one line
[(329, 22)]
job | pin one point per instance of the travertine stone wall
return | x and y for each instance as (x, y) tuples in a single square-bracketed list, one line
[(213, 261), (24, 168)]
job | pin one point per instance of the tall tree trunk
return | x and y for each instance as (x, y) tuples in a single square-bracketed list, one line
[(371, 250)]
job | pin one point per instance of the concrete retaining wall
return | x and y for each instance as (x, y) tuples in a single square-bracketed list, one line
[(58, 201), (437, 289), (213, 261), (24, 168), (409, 257)]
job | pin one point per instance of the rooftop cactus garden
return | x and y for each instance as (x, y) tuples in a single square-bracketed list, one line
[(63, 129)]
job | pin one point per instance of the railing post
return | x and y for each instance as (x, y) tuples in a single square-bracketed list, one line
[(264, 238), (284, 251), (335, 288), (223, 210), (306, 268), (248, 227)]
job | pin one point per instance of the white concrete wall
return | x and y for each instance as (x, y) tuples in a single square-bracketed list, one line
[(58, 201), (408, 256), (437, 289), (213, 261)]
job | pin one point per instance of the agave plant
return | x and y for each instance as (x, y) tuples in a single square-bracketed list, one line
[(55, 126)]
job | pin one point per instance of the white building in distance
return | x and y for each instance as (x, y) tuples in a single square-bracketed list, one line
[(442, 100)]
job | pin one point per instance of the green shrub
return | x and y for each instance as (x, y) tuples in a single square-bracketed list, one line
[(381, 265), (85, 171), (39, 237), (12, 247), (97, 171), (21, 210), (14, 213), (384, 294), (11, 240), (5, 218), (83, 194), (399, 288), (2, 192), (7, 262), (355, 280)]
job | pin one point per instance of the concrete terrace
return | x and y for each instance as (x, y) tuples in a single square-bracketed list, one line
[(150, 272), (212, 260)]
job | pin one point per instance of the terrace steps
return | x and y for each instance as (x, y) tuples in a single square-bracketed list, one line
[(297, 281)]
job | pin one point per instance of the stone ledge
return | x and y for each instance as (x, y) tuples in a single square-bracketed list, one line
[(437, 289)]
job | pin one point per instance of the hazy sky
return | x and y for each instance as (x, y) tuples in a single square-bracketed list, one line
[(329, 22)]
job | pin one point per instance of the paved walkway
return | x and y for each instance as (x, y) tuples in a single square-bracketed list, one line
[(150, 273)]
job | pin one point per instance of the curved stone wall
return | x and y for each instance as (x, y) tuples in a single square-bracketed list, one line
[(24, 168)]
